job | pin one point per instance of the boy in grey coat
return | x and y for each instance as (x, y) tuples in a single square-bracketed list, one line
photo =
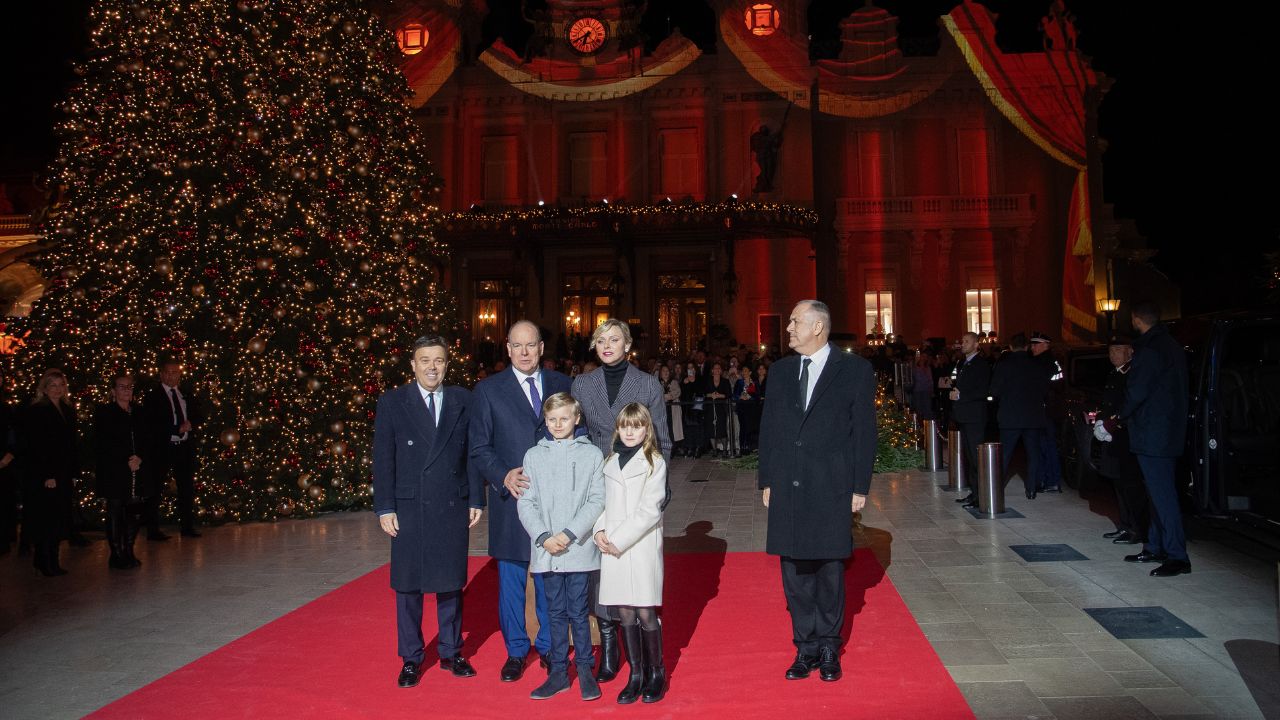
[(563, 502)]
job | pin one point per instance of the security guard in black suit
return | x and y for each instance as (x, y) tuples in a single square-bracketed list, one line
[(969, 403)]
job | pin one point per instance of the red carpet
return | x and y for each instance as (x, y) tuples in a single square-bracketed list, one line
[(728, 641)]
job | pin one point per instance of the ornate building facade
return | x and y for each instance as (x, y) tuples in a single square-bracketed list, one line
[(683, 190)]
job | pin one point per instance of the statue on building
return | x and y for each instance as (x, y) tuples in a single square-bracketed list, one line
[(765, 147), (1058, 28), (544, 32)]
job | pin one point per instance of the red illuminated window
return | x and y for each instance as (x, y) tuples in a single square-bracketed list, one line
[(412, 38), (762, 19)]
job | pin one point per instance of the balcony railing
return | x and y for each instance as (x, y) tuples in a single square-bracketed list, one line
[(931, 212)]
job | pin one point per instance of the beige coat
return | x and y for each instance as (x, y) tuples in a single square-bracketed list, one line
[(632, 521)]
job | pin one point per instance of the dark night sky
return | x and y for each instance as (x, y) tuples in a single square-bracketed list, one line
[(1182, 120)]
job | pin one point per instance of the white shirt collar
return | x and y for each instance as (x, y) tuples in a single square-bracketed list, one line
[(169, 388), (438, 392), (970, 356), (522, 378), (819, 357)]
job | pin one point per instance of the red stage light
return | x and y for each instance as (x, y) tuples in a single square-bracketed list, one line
[(412, 38), (762, 19)]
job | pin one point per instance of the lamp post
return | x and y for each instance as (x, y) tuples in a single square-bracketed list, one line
[(1108, 306)]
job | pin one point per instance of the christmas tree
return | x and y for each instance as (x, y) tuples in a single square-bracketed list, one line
[(243, 188)]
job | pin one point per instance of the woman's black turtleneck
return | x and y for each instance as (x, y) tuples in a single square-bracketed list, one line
[(624, 453), (613, 375)]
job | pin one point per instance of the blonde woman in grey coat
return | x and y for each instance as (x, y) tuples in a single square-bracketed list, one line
[(559, 511)]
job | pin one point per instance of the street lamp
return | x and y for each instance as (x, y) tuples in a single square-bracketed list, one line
[(1108, 306)]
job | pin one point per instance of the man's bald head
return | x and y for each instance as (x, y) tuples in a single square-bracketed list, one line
[(524, 346)]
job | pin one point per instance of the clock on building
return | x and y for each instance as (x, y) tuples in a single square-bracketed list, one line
[(586, 35)]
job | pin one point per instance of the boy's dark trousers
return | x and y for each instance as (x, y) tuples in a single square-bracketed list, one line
[(567, 609)]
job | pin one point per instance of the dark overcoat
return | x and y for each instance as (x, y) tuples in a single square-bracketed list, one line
[(1155, 396), (158, 419), (814, 460), (117, 435), (973, 380), (420, 474), (503, 428), (1020, 384)]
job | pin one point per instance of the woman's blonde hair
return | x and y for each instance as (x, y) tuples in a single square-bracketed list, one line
[(559, 400), (42, 387), (612, 324), (637, 415)]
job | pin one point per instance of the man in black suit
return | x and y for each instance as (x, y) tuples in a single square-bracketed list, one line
[(969, 406), (817, 449), (1020, 386), (171, 415), (426, 502), (1155, 409), (507, 421)]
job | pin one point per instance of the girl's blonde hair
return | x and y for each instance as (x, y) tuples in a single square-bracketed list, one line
[(637, 415)]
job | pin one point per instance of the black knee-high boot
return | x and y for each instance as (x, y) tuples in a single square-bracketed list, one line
[(655, 676), (635, 660), (116, 534), (610, 653)]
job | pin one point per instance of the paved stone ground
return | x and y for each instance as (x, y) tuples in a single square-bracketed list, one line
[(1013, 634)]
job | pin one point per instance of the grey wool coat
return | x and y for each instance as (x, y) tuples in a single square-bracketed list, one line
[(600, 417), (566, 492)]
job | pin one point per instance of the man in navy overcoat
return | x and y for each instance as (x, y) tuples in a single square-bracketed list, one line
[(426, 501), (507, 422), (817, 450)]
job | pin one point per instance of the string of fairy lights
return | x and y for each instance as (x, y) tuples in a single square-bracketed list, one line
[(731, 212), (231, 176)]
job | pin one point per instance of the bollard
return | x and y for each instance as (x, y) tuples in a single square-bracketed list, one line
[(932, 448), (991, 484), (957, 473)]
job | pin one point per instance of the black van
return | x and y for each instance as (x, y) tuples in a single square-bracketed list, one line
[(1233, 435)]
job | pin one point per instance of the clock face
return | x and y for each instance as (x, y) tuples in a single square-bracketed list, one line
[(586, 35)]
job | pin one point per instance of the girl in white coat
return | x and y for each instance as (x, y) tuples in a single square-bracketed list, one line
[(629, 534)]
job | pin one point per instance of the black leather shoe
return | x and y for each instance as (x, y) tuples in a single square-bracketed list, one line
[(1127, 538), (191, 533), (512, 669), (458, 665), (803, 665), (1031, 494), (1114, 534), (970, 498), (410, 674), (829, 665), (1144, 557), (1171, 568), (971, 504), (158, 536)]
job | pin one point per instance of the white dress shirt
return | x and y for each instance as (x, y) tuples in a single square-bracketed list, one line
[(819, 361), (169, 392)]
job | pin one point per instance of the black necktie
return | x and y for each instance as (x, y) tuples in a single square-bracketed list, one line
[(804, 382), (179, 416), (431, 407)]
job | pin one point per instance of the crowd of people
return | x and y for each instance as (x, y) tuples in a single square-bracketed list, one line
[(137, 448)]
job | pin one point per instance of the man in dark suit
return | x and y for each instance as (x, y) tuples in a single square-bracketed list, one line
[(508, 421), (969, 406), (817, 449), (1020, 386), (426, 502), (1155, 409), (171, 415)]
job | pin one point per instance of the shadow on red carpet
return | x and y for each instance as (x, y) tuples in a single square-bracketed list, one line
[(725, 619)]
